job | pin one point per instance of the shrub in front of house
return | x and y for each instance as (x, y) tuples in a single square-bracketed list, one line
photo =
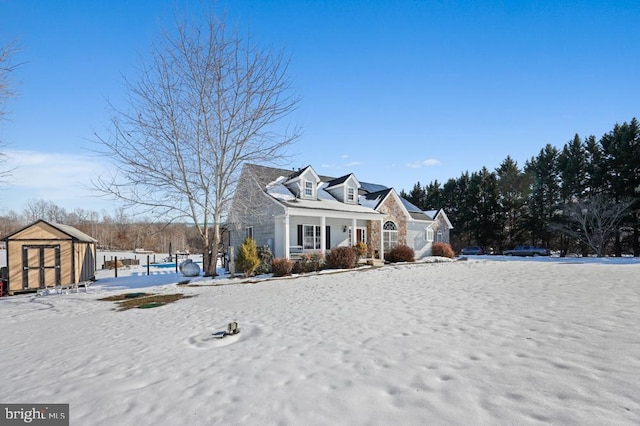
[(247, 260), (266, 258), (361, 250), (341, 258), (281, 267), (442, 250), (401, 253), (308, 262)]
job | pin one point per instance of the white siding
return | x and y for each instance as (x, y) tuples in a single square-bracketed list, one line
[(417, 238)]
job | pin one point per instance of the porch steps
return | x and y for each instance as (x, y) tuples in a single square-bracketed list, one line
[(371, 262)]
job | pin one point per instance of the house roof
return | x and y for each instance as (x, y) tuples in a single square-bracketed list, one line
[(338, 181), (343, 179), (414, 211), (371, 194), (372, 187), (434, 213), (264, 175), (374, 199), (298, 173), (431, 213), (324, 201)]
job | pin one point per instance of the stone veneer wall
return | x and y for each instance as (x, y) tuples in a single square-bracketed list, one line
[(373, 241), (441, 225), (394, 212)]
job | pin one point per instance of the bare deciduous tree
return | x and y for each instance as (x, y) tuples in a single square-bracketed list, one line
[(7, 65), (37, 208), (593, 221), (205, 104), (6, 91)]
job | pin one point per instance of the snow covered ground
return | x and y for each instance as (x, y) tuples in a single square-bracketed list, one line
[(490, 341)]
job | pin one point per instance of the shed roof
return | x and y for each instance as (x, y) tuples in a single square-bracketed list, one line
[(72, 232)]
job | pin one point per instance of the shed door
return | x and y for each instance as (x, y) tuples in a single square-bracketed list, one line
[(40, 266)]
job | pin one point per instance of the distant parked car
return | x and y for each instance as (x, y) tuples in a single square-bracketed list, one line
[(472, 251), (527, 251)]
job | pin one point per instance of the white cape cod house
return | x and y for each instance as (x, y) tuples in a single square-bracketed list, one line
[(301, 211)]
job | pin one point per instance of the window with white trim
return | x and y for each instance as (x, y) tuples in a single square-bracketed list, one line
[(308, 189), (440, 237), (311, 237), (351, 194), (429, 234), (389, 235), (249, 231)]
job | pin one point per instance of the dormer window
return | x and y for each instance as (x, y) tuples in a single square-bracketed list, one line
[(308, 189), (303, 184), (351, 195)]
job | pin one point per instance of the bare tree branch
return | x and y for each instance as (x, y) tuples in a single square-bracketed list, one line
[(7, 66), (207, 102), (593, 221)]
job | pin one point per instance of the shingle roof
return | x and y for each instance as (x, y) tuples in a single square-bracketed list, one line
[(265, 175), (372, 187), (373, 195), (338, 181), (373, 199), (72, 232)]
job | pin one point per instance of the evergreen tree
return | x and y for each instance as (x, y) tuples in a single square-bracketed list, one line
[(621, 160), (434, 199), (634, 183), (464, 200), (247, 260), (451, 199), (595, 168), (513, 191), (417, 196), (544, 197), (482, 200), (572, 167)]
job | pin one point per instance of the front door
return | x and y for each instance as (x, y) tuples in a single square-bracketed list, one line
[(40, 266), (361, 236)]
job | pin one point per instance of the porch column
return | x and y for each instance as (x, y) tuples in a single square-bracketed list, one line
[(323, 235), (381, 239), (354, 231), (287, 248)]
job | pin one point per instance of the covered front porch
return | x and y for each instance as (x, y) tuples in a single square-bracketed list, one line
[(306, 231)]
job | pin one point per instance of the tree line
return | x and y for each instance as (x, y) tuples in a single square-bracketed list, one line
[(117, 231), (583, 198)]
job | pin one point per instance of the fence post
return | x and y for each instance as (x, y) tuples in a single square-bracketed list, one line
[(147, 265), (115, 266), (232, 262)]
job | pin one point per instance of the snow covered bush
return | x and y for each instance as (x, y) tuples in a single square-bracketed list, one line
[(266, 259), (281, 267), (401, 253), (308, 262), (361, 250), (442, 250), (341, 258)]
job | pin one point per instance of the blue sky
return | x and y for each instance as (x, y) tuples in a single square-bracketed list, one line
[(394, 91)]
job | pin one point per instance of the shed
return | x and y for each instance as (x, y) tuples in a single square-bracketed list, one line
[(46, 254)]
